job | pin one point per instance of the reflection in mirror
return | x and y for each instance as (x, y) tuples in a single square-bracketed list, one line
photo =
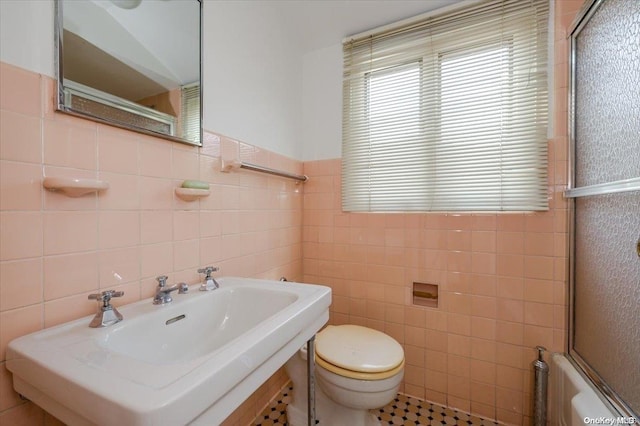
[(132, 63)]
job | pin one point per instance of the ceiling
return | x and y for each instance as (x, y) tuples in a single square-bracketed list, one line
[(323, 23)]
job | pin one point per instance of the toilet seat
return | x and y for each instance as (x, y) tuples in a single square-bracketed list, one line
[(357, 374), (358, 352)]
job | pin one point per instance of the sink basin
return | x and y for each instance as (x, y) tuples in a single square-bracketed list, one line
[(190, 362)]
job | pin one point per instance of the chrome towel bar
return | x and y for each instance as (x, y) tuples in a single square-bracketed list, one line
[(227, 166)]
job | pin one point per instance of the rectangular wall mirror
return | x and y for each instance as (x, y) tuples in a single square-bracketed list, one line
[(134, 64)]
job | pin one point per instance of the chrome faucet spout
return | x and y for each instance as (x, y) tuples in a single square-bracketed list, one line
[(163, 293)]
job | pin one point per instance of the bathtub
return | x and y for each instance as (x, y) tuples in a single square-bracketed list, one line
[(574, 401)]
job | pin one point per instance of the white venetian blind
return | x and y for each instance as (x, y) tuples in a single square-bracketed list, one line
[(190, 118), (449, 113)]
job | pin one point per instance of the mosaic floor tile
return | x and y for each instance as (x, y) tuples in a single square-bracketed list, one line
[(403, 411)]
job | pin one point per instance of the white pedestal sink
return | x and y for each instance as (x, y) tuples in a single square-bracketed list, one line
[(189, 362)]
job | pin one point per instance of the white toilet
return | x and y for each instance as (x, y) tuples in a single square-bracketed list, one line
[(357, 369)]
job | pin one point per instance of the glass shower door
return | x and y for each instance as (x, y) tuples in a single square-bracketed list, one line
[(605, 273)]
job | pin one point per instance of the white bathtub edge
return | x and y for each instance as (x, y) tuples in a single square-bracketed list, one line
[(574, 402)]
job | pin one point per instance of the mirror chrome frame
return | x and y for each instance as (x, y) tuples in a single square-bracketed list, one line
[(64, 93)]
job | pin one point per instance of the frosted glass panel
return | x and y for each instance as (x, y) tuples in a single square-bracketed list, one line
[(607, 290), (607, 90), (606, 141)]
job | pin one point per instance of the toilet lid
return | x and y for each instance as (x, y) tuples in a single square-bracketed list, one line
[(357, 348)]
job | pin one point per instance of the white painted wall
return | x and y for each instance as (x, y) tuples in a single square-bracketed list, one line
[(252, 76), (252, 73), (322, 104), (26, 35)]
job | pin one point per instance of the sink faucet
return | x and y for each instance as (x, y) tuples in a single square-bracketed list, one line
[(107, 314), (209, 283), (163, 293)]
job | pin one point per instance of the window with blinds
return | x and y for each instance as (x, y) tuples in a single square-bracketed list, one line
[(449, 113), (190, 117)]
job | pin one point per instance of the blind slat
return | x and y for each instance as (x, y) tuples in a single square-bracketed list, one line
[(190, 117), (449, 113)]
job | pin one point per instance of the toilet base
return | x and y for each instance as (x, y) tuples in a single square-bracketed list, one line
[(328, 413)]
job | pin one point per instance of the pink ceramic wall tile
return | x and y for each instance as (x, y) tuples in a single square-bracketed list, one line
[(208, 168), (538, 290), (483, 241), (459, 240), (510, 222), (18, 322), (155, 158), (509, 332), (131, 293), (118, 228), (538, 267), (459, 387), (185, 164), (20, 137), (483, 306), (65, 309), (210, 144), (70, 145), (510, 242), (538, 314), (117, 150), (510, 310), (483, 328), (483, 350), (70, 274), (156, 259), (539, 243), (20, 235), (435, 360), (119, 266), (20, 186), (483, 393), (509, 402), (29, 414), (482, 371), (19, 90), (458, 345), (229, 149), (510, 288), (510, 355), (483, 263), (483, 284), (49, 97), (186, 255), (539, 222), (537, 335), (20, 283), (394, 314), (156, 193), (123, 192), (156, 226), (459, 324), (459, 261), (186, 225), (510, 265)]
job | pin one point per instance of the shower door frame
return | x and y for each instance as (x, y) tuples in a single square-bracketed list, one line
[(609, 397)]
